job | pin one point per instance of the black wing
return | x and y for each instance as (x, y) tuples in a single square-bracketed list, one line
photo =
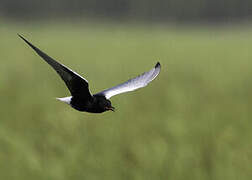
[(77, 85)]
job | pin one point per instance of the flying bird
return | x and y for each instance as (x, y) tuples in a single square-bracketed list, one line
[(81, 99)]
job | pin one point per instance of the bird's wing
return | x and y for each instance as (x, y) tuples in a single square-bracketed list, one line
[(77, 85), (132, 84)]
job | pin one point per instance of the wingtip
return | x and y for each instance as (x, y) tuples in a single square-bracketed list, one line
[(157, 65), (19, 35), (30, 44)]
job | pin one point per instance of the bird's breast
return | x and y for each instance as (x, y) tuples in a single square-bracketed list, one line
[(88, 105)]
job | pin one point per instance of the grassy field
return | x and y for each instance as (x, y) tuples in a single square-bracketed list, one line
[(193, 122)]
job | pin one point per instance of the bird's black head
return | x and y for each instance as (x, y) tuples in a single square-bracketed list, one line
[(103, 104), (107, 105)]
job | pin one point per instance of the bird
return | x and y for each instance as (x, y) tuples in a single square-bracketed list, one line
[(81, 98)]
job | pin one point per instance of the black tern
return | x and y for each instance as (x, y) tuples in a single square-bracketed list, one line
[(81, 99)]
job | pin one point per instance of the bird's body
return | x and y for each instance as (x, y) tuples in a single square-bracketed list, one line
[(81, 99), (96, 104)]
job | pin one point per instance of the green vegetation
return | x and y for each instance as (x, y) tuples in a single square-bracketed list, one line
[(192, 122)]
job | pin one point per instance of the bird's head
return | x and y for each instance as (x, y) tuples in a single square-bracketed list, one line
[(107, 105), (102, 104)]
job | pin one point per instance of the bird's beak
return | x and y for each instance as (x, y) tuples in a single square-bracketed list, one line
[(111, 108)]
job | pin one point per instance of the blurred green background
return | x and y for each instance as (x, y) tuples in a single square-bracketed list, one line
[(192, 122)]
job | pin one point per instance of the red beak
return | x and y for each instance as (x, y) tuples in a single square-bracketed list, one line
[(111, 108)]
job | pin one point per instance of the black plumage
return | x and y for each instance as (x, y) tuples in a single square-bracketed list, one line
[(81, 99)]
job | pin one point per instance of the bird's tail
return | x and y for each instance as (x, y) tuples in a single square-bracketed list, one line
[(65, 99)]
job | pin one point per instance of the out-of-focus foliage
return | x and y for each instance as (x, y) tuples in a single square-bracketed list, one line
[(153, 10), (192, 122)]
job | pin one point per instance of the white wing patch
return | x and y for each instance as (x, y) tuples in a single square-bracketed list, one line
[(133, 84)]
